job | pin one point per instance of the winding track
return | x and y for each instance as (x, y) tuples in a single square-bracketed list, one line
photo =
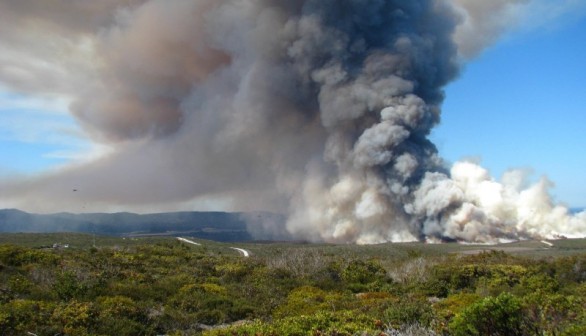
[(188, 241), (243, 252)]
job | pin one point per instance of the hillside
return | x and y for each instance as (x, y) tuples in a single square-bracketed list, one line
[(220, 226)]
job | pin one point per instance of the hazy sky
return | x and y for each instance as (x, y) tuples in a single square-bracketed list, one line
[(519, 104)]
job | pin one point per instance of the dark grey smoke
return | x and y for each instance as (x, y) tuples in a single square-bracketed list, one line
[(317, 108)]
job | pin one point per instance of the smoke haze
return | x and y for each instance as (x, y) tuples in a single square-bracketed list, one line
[(320, 109)]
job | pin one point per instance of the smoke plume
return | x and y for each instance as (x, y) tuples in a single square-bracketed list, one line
[(317, 108)]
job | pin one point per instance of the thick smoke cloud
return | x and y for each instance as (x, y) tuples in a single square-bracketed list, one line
[(317, 108), (483, 22)]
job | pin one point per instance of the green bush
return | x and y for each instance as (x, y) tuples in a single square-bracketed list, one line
[(11, 255), (308, 300), (409, 310), (74, 317), (364, 276), (552, 313), (501, 315), (344, 323), (487, 279), (18, 317), (446, 309)]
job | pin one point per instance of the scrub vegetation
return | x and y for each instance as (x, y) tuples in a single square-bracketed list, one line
[(160, 286)]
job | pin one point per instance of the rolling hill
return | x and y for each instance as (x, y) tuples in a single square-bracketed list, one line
[(219, 226)]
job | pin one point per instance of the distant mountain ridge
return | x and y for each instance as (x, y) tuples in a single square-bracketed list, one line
[(220, 226)]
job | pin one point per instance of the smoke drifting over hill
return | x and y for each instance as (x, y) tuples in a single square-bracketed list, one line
[(318, 108)]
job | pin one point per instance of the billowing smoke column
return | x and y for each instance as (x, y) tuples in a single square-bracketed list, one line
[(377, 72), (322, 107)]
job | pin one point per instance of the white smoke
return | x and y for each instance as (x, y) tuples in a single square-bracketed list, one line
[(471, 206), (318, 108)]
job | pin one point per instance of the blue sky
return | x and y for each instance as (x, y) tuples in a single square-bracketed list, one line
[(519, 104), (37, 134), (522, 104)]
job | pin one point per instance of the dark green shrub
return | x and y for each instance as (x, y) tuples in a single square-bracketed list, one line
[(409, 310), (67, 286), (361, 276), (446, 309), (501, 315)]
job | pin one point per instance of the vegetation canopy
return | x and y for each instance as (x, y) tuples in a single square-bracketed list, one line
[(161, 286)]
